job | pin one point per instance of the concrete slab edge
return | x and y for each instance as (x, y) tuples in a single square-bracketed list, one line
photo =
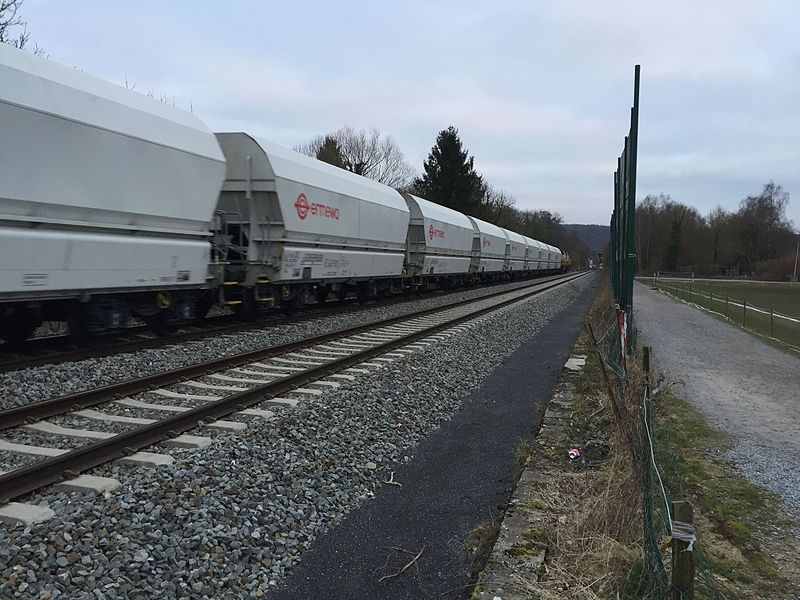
[(515, 558)]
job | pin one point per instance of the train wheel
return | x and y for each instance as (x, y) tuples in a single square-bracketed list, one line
[(321, 293), (362, 292), (289, 307), (202, 306), (76, 321), (16, 332), (159, 324), (248, 308)]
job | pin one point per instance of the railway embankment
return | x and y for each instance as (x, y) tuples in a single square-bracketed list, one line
[(599, 522), (269, 510)]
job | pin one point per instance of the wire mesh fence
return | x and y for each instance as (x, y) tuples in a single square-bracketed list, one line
[(764, 321), (634, 399)]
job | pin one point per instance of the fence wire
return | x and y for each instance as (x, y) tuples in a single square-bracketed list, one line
[(760, 320), (634, 404)]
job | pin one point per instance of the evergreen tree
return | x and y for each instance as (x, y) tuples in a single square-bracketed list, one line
[(450, 178), (330, 153)]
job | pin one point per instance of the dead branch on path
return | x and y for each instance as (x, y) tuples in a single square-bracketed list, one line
[(405, 567), (391, 480)]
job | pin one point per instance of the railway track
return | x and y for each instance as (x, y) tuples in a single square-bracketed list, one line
[(57, 349), (204, 394)]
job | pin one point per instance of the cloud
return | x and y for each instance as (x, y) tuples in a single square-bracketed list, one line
[(540, 92)]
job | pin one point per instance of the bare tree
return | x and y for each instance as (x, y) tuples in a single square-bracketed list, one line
[(497, 207), (366, 153), (763, 218), (14, 29)]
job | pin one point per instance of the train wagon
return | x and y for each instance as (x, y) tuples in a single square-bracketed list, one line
[(533, 255), (288, 225), (517, 252), (440, 244), (553, 255), (491, 249), (105, 200), (114, 205)]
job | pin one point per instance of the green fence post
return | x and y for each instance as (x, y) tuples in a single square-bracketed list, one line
[(744, 314), (772, 322), (726, 306), (630, 221)]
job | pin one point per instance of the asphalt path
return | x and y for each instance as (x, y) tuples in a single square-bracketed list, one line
[(459, 477)]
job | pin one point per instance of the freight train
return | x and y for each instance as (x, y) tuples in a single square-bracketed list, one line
[(114, 205)]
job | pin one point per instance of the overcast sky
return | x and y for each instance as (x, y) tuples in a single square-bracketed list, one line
[(540, 91)]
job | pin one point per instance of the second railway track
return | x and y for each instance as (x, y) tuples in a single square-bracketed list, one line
[(56, 349), (204, 394)]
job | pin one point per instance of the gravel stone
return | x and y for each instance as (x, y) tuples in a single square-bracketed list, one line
[(742, 385), (230, 520), (49, 381)]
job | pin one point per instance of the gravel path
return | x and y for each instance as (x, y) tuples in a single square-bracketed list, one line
[(742, 385), (230, 520), (41, 383)]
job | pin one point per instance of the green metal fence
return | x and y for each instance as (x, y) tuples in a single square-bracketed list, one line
[(634, 399), (623, 219)]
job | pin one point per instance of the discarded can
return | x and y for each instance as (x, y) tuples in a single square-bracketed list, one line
[(574, 454)]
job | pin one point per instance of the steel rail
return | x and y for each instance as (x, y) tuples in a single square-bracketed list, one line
[(206, 329), (52, 470), (198, 332), (36, 411)]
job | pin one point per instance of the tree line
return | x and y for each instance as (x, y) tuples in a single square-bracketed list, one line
[(448, 178), (757, 240)]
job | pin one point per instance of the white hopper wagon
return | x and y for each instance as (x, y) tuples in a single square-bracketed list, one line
[(553, 258), (439, 242), (291, 225), (105, 199), (491, 247), (517, 251), (559, 258), (536, 255), (532, 258)]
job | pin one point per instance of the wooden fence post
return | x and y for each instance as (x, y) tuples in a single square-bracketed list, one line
[(647, 353), (682, 555)]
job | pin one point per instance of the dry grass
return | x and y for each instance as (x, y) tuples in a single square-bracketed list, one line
[(594, 536), (594, 517)]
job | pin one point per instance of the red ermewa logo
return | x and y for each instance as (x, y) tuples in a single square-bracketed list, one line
[(303, 207), (433, 232)]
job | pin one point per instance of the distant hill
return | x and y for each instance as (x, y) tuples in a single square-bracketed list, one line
[(594, 236)]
